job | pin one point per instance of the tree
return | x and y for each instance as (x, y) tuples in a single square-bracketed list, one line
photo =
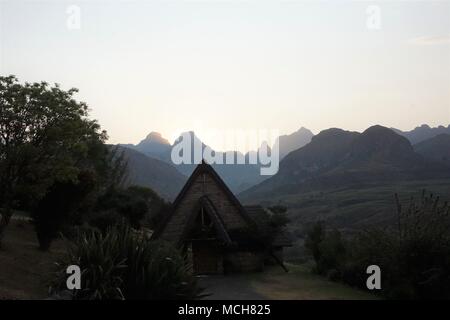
[(278, 218), (314, 237), (133, 205), (59, 205), (45, 137)]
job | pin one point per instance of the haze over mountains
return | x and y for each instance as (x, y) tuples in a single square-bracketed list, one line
[(332, 158), (423, 132), (238, 176), (436, 148), (149, 172), (337, 158)]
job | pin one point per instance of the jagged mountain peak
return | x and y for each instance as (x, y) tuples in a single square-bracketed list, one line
[(423, 132), (156, 137)]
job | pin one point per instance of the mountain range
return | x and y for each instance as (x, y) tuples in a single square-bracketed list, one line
[(422, 133), (149, 172), (436, 148), (237, 176), (332, 158), (336, 158)]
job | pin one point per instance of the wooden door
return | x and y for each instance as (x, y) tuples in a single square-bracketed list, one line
[(205, 257)]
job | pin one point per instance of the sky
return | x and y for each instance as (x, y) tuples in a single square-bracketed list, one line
[(172, 66)]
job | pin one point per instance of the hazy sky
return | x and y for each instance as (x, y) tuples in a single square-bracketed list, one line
[(169, 66)]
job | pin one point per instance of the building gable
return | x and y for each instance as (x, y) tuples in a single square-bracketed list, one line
[(204, 183)]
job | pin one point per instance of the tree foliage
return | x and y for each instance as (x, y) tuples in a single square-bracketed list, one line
[(46, 138), (134, 205)]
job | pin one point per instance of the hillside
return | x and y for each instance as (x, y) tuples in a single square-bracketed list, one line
[(436, 148), (423, 133), (160, 176)]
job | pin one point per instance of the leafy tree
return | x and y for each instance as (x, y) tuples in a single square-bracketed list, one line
[(314, 237), (278, 218), (45, 138), (137, 205), (59, 205)]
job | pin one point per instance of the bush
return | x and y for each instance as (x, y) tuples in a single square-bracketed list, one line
[(327, 249), (57, 208), (104, 220), (121, 264), (137, 205), (414, 256)]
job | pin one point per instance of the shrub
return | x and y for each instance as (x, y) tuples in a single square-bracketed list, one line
[(57, 207), (327, 249), (137, 205), (121, 264), (106, 219), (414, 255)]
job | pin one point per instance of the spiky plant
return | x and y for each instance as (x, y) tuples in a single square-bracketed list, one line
[(121, 264)]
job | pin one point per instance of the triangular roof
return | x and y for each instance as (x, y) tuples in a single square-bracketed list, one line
[(205, 168)]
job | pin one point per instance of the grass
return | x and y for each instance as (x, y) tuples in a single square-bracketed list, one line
[(355, 208), (275, 284), (301, 284), (24, 269), (25, 272)]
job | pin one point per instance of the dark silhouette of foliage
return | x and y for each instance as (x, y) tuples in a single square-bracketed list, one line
[(122, 264), (58, 206), (45, 138), (278, 217), (137, 205), (414, 255)]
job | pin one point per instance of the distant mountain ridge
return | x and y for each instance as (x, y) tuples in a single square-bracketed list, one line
[(423, 133), (338, 158), (436, 148), (158, 175), (154, 145), (293, 141), (238, 176)]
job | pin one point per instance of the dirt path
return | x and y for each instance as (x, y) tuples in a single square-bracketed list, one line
[(274, 283)]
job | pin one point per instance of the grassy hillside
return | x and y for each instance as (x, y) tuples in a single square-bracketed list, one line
[(155, 174), (353, 208)]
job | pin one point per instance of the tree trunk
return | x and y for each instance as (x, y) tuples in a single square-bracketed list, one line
[(4, 221)]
